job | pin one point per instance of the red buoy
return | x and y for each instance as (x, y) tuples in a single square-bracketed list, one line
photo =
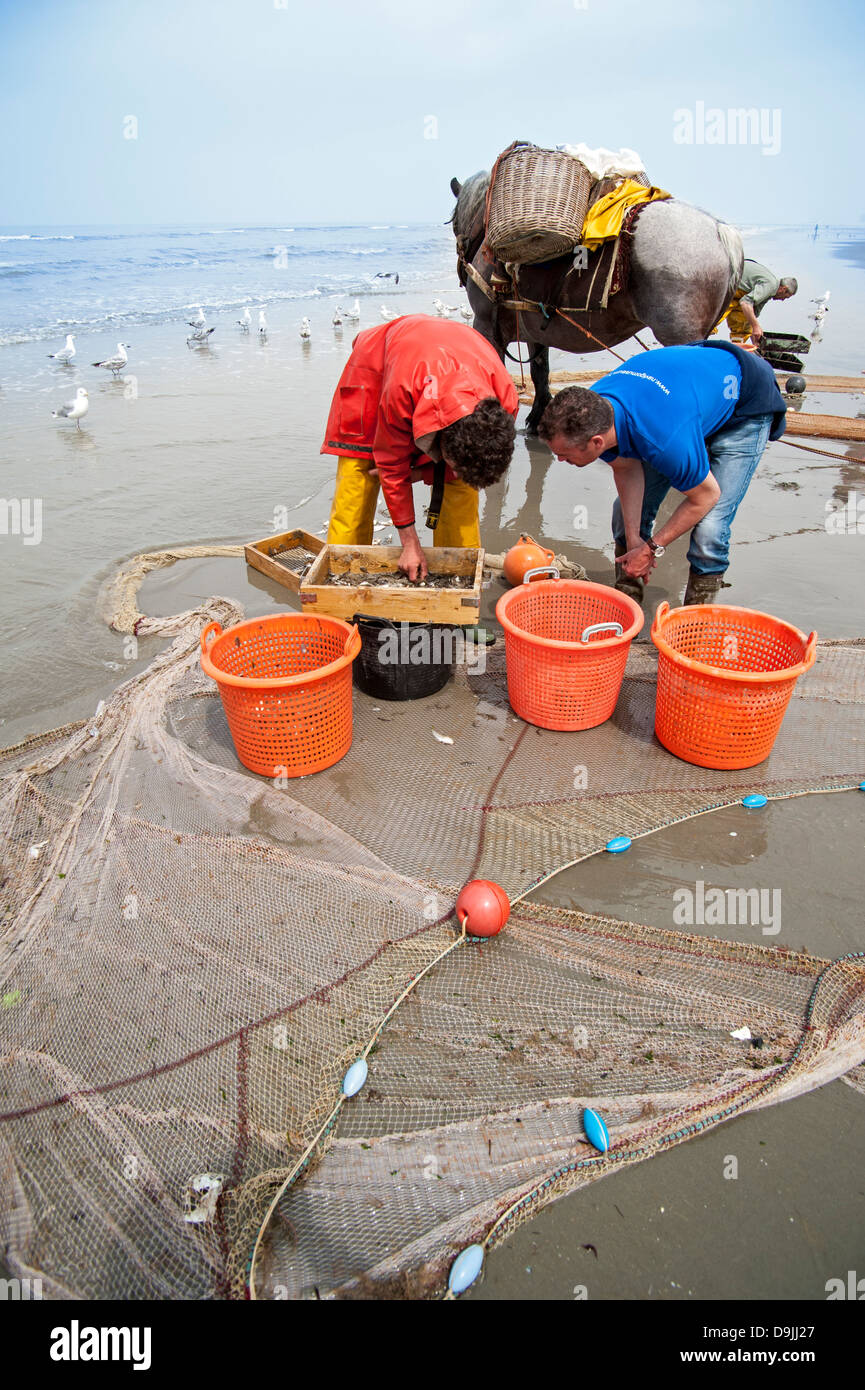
[(483, 907)]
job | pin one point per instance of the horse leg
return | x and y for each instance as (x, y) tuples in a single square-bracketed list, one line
[(539, 366)]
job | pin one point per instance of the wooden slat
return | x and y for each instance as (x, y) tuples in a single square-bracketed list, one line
[(400, 604), (841, 384), (258, 555), (798, 422)]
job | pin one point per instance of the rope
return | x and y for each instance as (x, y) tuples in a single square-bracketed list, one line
[(585, 330), (827, 453), (519, 349)]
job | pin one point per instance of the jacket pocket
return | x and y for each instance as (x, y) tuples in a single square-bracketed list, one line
[(356, 412), (359, 393)]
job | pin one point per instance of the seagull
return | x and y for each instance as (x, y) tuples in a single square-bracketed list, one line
[(823, 301), (262, 324), (443, 310), (305, 333), (199, 319), (353, 314), (244, 322), (468, 313), (116, 363), (74, 410), (387, 275), (386, 314), (200, 335), (337, 317), (66, 354)]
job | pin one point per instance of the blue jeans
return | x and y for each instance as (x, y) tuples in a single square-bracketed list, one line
[(734, 453)]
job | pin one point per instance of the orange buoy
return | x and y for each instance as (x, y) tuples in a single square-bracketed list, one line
[(525, 555), (483, 907)]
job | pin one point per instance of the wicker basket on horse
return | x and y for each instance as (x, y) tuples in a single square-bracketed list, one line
[(536, 204)]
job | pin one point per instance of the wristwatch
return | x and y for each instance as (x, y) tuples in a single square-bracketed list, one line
[(657, 550)]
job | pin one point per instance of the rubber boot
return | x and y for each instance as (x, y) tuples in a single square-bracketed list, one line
[(625, 583), (703, 588)]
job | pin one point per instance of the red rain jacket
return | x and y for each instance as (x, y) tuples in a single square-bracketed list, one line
[(403, 382)]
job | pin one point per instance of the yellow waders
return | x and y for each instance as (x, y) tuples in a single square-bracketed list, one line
[(356, 495), (738, 325)]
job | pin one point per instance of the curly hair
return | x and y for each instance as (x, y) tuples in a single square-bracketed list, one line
[(578, 414), (480, 445)]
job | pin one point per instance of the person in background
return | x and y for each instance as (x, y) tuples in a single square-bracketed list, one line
[(757, 285), (419, 398), (694, 418)]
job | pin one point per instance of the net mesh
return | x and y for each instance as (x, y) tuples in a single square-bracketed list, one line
[(192, 956)]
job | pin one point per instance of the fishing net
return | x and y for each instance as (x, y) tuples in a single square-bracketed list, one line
[(191, 957)]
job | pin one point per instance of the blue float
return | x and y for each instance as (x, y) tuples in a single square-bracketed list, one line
[(355, 1077), (754, 801), (596, 1131), (862, 786), (466, 1268), (618, 845)]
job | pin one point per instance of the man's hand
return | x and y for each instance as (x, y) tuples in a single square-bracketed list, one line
[(756, 333), (412, 561), (639, 562)]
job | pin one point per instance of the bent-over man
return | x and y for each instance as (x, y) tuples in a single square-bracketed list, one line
[(693, 418)]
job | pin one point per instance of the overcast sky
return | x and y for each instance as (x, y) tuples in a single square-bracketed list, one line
[(292, 111)]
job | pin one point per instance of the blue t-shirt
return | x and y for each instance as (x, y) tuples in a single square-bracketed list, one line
[(667, 403)]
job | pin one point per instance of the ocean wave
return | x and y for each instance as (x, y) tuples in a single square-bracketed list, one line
[(31, 236)]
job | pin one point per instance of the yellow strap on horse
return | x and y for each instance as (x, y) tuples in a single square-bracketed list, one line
[(604, 219)]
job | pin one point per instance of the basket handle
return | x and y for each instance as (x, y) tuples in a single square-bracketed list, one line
[(350, 639), (810, 651), (542, 569), (615, 628), (660, 614), (212, 630)]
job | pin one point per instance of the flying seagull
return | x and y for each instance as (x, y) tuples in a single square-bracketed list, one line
[(66, 354), (116, 363), (74, 410)]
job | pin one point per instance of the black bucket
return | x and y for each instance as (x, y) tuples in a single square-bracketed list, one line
[(403, 661)]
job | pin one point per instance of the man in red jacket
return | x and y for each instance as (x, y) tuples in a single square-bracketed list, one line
[(419, 398)]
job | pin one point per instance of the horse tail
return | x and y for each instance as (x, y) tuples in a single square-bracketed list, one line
[(732, 244)]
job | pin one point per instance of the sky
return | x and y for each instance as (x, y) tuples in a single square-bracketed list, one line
[(345, 111)]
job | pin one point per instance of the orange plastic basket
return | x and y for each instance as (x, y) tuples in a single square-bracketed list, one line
[(285, 683), (562, 673), (725, 677)]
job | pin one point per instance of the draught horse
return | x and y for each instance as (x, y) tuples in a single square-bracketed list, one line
[(685, 266)]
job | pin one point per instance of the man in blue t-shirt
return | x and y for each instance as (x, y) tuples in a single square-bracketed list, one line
[(695, 418)]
